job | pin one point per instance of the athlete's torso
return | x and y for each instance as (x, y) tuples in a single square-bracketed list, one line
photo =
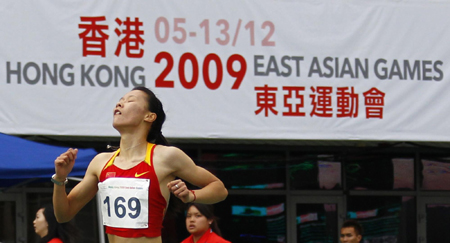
[(125, 209)]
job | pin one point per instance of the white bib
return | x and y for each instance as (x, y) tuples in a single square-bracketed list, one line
[(125, 202)]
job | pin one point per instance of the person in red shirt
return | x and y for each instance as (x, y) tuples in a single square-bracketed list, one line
[(50, 231), (201, 223)]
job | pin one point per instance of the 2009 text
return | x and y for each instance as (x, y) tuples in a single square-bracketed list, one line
[(239, 74)]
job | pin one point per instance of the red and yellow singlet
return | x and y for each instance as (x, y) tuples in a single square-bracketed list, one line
[(132, 203)]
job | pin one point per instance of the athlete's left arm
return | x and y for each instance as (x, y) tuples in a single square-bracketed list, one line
[(212, 189)]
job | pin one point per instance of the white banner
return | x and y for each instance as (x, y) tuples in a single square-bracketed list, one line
[(244, 69)]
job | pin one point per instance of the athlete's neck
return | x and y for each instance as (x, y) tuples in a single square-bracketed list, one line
[(128, 148), (129, 142), (132, 150)]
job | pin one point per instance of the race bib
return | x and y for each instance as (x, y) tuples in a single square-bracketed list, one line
[(125, 202)]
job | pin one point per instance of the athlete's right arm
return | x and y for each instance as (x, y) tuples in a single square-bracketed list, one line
[(67, 206)]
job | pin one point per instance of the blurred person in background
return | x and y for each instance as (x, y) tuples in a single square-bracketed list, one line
[(50, 231), (351, 232), (201, 223)]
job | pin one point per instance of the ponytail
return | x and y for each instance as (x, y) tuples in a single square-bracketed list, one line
[(160, 139)]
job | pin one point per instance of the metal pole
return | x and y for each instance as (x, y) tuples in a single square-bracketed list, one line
[(101, 230)]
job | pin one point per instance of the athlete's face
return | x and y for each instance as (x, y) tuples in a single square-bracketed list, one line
[(132, 110), (196, 222), (348, 235), (40, 223)]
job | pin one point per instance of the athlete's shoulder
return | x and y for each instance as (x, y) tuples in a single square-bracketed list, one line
[(102, 157), (168, 152), (100, 160), (170, 157)]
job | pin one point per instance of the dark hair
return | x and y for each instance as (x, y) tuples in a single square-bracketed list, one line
[(355, 225), (155, 106), (207, 210), (67, 232)]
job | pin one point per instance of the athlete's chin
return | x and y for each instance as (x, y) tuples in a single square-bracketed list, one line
[(124, 125), (118, 125)]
